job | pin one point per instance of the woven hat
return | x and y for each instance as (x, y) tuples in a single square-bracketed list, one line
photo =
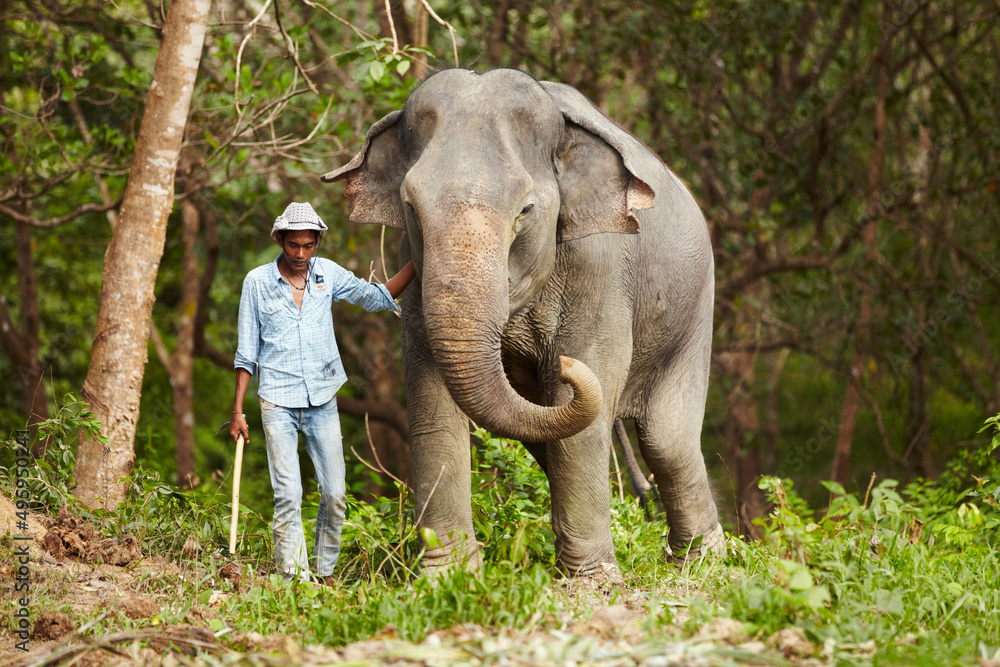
[(298, 217)]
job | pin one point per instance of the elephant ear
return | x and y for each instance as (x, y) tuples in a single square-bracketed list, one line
[(373, 177), (597, 166)]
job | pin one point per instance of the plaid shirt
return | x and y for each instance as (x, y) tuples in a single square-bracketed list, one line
[(293, 352)]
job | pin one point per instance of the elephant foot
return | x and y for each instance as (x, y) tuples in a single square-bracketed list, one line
[(601, 569), (443, 560), (713, 542)]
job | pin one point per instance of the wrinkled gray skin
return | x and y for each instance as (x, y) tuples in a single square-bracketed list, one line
[(557, 259)]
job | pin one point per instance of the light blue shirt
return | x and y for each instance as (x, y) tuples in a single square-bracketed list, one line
[(293, 352)]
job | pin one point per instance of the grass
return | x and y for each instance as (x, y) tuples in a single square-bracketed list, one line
[(897, 576)]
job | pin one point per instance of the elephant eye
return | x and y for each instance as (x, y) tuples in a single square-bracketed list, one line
[(527, 209)]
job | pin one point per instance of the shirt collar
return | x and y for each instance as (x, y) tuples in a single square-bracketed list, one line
[(276, 274)]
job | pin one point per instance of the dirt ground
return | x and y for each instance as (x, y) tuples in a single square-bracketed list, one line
[(90, 577)]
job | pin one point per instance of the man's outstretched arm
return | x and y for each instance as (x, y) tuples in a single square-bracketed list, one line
[(398, 282)]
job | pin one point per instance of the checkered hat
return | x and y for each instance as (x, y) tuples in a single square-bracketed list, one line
[(297, 217)]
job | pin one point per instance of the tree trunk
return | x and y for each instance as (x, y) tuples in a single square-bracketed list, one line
[(918, 421), (776, 364), (496, 36), (400, 21), (22, 346), (180, 364), (420, 21), (390, 446), (36, 404), (743, 438), (202, 348), (369, 341), (114, 380), (841, 468)]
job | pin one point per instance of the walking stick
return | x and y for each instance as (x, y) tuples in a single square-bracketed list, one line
[(237, 468)]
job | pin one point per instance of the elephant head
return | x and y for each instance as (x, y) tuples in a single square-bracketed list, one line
[(488, 174)]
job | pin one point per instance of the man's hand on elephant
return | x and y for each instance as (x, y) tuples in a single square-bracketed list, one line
[(239, 426)]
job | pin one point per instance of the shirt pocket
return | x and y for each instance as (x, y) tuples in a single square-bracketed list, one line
[(272, 316), (320, 297)]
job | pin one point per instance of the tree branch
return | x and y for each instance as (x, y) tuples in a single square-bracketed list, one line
[(382, 411), (161, 349), (757, 271), (55, 222)]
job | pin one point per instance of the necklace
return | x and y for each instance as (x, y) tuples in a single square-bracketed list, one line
[(305, 278)]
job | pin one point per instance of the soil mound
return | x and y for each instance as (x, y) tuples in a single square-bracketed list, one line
[(70, 536), (52, 625)]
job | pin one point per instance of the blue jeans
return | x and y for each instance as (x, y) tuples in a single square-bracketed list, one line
[(320, 429)]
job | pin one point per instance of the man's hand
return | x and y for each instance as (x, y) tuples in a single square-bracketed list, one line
[(239, 426), (239, 423)]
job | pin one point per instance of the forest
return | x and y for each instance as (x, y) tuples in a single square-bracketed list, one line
[(846, 157)]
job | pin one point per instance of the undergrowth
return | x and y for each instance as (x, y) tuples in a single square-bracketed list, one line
[(897, 575)]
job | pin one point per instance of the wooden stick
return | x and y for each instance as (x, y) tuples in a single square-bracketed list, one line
[(237, 468)]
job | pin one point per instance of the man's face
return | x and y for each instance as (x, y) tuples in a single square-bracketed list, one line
[(299, 247)]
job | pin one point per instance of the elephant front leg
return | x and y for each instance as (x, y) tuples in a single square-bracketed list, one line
[(439, 447), (581, 502)]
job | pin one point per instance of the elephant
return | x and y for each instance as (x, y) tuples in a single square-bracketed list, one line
[(565, 279)]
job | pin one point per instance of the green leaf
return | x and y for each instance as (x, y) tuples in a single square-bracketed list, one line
[(361, 73), (800, 580), (347, 58), (430, 538), (817, 596), (834, 488), (403, 67), (376, 70)]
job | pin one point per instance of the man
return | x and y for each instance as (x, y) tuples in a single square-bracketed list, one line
[(286, 338)]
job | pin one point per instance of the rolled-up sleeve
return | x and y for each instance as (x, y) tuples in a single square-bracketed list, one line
[(370, 296), (249, 329)]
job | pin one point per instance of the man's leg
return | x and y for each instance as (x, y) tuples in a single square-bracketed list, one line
[(281, 429), (321, 429)]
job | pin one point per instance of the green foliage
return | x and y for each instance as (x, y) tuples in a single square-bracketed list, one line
[(51, 477), (379, 539), (501, 596), (869, 571), (510, 502), (379, 62)]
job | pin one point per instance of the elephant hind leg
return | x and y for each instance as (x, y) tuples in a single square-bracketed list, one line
[(669, 430), (682, 481)]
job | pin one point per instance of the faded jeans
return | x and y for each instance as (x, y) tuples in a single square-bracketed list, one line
[(320, 429)]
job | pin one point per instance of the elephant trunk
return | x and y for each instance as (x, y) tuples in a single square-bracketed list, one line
[(466, 304)]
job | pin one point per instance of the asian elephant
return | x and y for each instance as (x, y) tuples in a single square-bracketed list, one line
[(564, 279)]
